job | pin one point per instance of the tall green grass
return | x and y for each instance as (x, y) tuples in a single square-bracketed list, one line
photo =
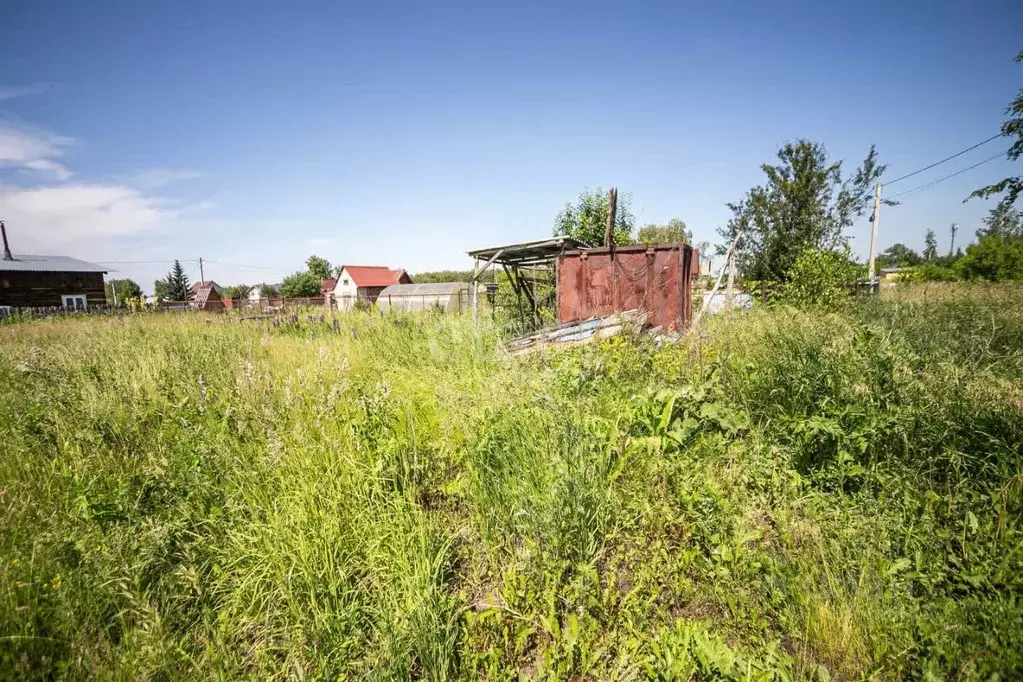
[(788, 495)]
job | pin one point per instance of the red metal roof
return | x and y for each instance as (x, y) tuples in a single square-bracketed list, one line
[(327, 286), (375, 275)]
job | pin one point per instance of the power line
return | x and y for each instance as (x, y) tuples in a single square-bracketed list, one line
[(243, 265), (938, 163), (946, 177)]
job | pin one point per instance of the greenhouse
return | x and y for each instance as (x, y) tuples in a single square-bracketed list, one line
[(444, 296)]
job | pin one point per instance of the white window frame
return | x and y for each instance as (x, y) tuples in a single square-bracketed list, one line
[(70, 301)]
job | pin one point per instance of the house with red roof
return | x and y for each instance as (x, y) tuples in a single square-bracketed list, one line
[(363, 283)]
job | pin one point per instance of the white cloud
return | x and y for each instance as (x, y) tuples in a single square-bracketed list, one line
[(99, 220), (31, 149), (47, 219), (13, 91), (158, 177)]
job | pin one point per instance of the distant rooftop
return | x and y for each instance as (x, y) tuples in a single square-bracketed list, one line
[(29, 263), (196, 286), (373, 275)]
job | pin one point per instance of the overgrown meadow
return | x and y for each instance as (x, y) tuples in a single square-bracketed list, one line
[(785, 495)]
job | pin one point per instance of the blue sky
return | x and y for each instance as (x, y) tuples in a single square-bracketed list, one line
[(405, 133)]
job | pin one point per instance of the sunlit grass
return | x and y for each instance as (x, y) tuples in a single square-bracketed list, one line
[(792, 494)]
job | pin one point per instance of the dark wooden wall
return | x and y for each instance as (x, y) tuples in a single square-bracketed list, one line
[(30, 289)]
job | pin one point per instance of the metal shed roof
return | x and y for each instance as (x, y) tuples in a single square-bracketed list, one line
[(529, 253), (424, 289), (29, 263)]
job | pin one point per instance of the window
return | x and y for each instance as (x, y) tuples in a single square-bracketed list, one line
[(74, 301), (345, 282)]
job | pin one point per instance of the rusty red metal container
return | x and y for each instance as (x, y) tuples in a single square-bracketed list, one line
[(654, 279)]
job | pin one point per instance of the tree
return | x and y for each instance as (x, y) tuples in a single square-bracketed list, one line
[(301, 285), (995, 258), (318, 267), (122, 290), (1011, 187), (930, 246), (238, 292), (175, 286), (672, 232), (267, 291), (161, 289), (587, 219), (898, 255), (1003, 220), (805, 203)]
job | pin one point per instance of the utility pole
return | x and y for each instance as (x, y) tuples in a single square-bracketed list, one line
[(952, 244), (873, 230), (202, 277)]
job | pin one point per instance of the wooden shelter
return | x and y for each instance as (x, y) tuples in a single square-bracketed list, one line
[(526, 264)]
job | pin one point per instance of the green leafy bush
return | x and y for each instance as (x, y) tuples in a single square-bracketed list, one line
[(819, 278)]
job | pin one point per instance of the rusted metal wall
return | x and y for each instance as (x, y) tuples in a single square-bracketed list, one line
[(655, 279)]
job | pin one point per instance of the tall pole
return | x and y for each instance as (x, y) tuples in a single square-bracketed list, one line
[(952, 244), (612, 209), (873, 230), (202, 277)]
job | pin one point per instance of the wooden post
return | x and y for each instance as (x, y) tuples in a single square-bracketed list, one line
[(731, 281), (873, 230), (612, 210), (472, 291), (478, 272), (717, 283)]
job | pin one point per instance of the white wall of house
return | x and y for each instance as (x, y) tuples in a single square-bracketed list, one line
[(345, 292)]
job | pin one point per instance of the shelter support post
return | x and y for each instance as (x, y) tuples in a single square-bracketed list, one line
[(477, 272)]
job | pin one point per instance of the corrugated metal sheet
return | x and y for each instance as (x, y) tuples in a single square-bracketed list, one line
[(427, 288), (28, 263), (577, 333), (448, 296), (654, 279)]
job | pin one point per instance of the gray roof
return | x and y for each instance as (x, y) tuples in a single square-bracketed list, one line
[(29, 263), (529, 253)]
